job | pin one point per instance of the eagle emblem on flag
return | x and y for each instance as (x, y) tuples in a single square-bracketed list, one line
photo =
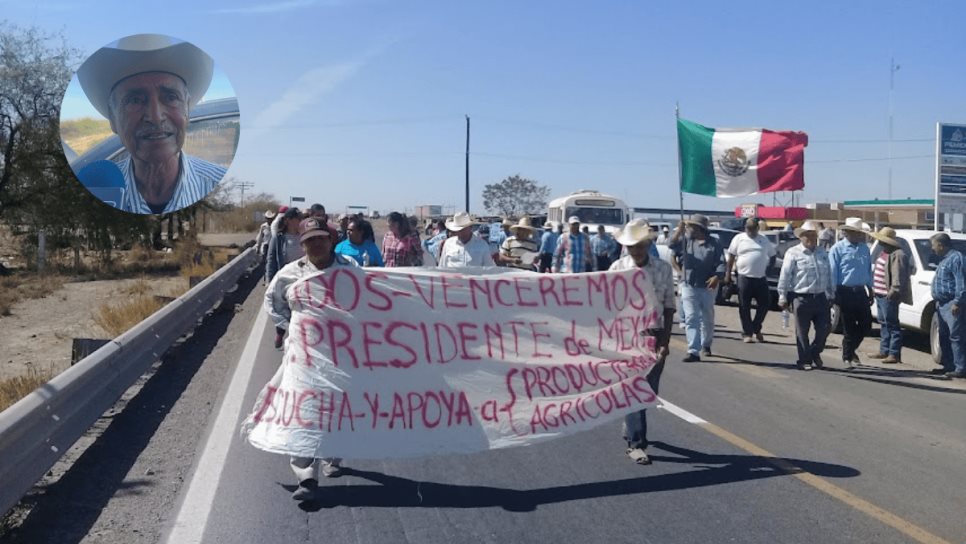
[(734, 162)]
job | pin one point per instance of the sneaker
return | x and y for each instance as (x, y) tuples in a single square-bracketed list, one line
[(818, 362), (332, 469), (760, 337), (691, 358), (639, 456), (879, 356), (706, 352), (848, 365), (306, 490), (938, 371), (956, 374), (747, 340), (799, 365), (278, 340)]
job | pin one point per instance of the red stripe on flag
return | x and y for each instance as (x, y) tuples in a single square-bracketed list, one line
[(781, 161)]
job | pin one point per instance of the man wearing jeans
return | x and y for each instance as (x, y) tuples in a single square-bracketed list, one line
[(890, 283), (852, 278), (805, 287), (949, 292), (701, 260), (753, 252)]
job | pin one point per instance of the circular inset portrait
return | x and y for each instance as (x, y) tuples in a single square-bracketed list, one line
[(149, 124)]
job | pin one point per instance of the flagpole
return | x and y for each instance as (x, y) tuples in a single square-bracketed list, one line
[(677, 116)]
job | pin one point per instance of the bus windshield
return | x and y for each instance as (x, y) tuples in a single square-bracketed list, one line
[(596, 216)]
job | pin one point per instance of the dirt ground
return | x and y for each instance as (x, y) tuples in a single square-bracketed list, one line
[(40, 332)]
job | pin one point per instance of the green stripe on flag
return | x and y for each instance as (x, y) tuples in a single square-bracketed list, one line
[(694, 150)]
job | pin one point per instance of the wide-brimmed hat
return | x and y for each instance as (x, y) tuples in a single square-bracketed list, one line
[(460, 221), (144, 53), (808, 226), (573, 219), (887, 235), (634, 233), (698, 220), (269, 214), (524, 223), (314, 227), (548, 225), (856, 224), (507, 223)]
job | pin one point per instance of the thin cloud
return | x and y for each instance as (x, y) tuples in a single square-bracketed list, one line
[(277, 7)]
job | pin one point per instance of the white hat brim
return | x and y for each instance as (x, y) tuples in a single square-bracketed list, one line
[(108, 65), (457, 226)]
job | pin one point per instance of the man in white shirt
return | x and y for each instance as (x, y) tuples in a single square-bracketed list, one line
[(464, 249), (637, 237), (805, 288), (753, 252)]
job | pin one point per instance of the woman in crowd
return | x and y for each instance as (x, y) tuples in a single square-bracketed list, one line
[(401, 246), (359, 244), (283, 248)]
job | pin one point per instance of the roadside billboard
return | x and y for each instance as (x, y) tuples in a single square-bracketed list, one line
[(950, 170)]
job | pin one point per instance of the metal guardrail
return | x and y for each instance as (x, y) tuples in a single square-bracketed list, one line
[(37, 430)]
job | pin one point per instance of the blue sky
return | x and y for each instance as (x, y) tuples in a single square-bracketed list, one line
[(363, 102)]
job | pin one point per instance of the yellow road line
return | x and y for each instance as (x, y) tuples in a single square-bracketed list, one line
[(906, 527)]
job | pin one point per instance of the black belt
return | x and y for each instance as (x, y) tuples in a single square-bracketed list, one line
[(808, 295), (853, 287)]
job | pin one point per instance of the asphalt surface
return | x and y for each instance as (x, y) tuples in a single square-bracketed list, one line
[(872, 455)]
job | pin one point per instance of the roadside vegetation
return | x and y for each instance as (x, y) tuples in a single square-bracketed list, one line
[(14, 389)]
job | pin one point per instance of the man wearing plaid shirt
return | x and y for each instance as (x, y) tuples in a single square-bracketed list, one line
[(949, 292), (573, 250), (602, 245)]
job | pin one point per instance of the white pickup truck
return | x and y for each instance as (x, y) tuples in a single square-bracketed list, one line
[(918, 316)]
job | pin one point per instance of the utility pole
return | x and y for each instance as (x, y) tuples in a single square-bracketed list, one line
[(242, 186), (893, 68), (467, 164)]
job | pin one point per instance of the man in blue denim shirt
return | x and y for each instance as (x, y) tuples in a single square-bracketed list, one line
[(851, 267), (949, 292), (702, 260)]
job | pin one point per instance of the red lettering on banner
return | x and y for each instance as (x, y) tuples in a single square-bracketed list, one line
[(549, 419), (431, 299), (598, 283), (610, 403), (568, 288), (398, 411), (496, 291), (373, 403), (334, 289), (527, 288), (565, 412), (536, 419), (637, 283), (563, 386), (306, 323), (345, 412), (396, 362), (491, 331), (640, 384), (367, 341), (516, 335), (536, 340), (463, 410), (488, 411), (285, 416), (415, 401), (467, 337), (326, 411), (548, 286), (373, 290), (422, 328), (508, 407), (267, 402), (446, 285), (343, 342), (481, 286), (298, 408), (438, 328), (430, 395), (618, 289)]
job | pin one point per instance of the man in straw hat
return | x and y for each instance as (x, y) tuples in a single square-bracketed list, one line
[(851, 266), (146, 87), (702, 263), (949, 291), (573, 250), (638, 237), (264, 235), (463, 248), (890, 284), (520, 250), (318, 241), (805, 288)]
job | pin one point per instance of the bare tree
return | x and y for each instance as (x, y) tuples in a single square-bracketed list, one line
[(516, 196)]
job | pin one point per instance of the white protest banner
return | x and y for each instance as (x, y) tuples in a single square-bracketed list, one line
[(406, 362)]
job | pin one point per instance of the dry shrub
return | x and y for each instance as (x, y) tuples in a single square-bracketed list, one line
[(116, 319), (13, 289), (139, 288), (14, 389)]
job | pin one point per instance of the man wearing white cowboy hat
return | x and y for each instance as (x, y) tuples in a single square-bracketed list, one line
[(463, 248), (146, 87), (851, 267), (637, 237), (890, 283), (264, 235), (572, 253), (701, 260), (520, 250), (805, 287)]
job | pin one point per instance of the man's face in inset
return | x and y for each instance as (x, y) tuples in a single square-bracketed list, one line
[(149, 112)]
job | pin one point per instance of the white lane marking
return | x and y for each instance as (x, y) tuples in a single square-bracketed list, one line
[(680, 412), (189, 525)]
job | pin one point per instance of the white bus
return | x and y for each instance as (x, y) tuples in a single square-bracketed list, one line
[(592, 208)]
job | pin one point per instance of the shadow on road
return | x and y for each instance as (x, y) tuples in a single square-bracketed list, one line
[(707, 470)]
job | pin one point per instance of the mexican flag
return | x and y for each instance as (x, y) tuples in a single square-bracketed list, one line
[(738, 162)]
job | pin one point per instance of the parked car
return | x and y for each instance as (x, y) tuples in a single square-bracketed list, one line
[(919, 316)]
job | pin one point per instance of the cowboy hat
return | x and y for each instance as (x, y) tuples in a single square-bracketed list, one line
[(144, 53), (269, 214), (808, 226), (524, 223), (855, 224), (634, 233), (460, 221), (548, 225), (507, 223), (573, 219), (698, 220), (887, 235)]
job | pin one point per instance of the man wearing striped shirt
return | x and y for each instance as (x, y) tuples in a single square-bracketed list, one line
[(573, 251), (949, 292), (890, 283), (805, 288)]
